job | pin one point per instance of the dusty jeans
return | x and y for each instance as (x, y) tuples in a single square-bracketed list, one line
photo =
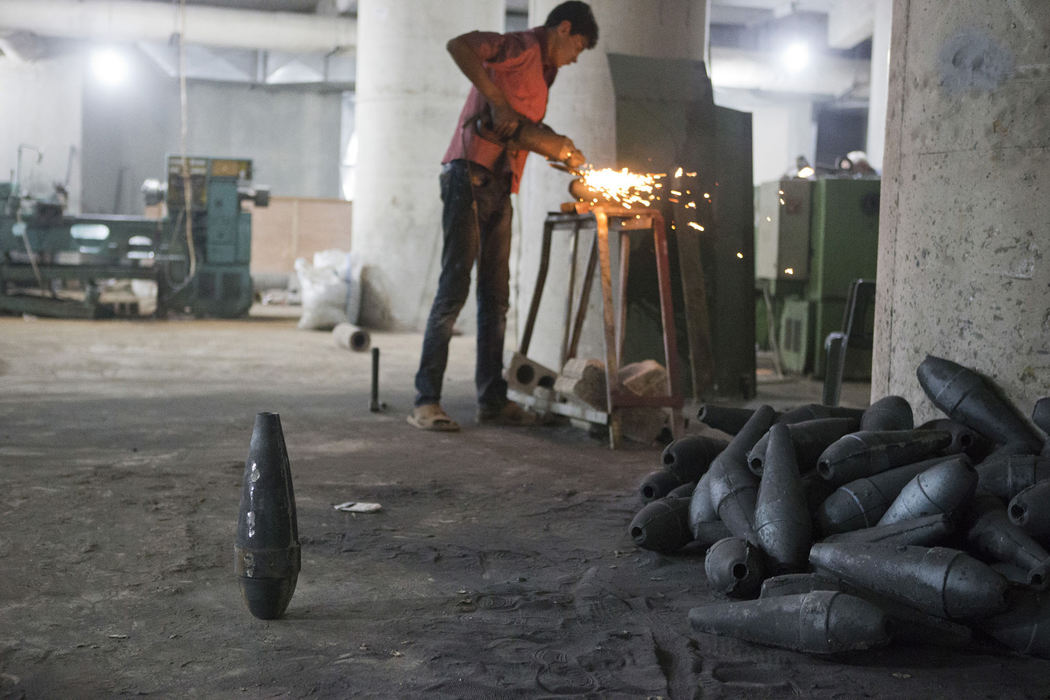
[(476, 225)]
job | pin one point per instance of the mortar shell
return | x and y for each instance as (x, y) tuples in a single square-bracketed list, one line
[(939, 581), (809, 438), (820, 622), (657, 484), (865, 453), (689, 457), (888, 413), (993, 535), (927, 531), (734, 567), (943, 488), (1010, 474), (1030, 509), (783, 526), (662, 526), (968, 398), (267, 557), (860, 503)]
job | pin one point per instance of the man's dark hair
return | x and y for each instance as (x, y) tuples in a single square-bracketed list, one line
[(580, 18)]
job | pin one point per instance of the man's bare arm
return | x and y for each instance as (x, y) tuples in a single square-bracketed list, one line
[(504, 117)]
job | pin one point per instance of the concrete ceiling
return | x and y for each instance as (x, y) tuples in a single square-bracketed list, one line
[(742, 32)]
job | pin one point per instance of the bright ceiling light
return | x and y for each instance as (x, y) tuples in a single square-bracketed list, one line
[(796, 56), (109, 66)]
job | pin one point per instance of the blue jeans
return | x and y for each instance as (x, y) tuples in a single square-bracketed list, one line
[(476, 226)]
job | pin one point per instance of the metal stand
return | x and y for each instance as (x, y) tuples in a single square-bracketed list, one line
[(603, 218)]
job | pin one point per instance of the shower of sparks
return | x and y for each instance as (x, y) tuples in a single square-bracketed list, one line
[(622, 186), (629, 189)]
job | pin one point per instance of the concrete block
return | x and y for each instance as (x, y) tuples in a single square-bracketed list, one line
[(525, 375), (583, 380)]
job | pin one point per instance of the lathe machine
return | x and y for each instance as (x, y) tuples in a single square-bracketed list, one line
[(55, 264)]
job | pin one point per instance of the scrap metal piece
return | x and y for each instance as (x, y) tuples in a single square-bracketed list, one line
[(927, 531), (657, 484), (1010, 474), (1030, 509), (993, 535)]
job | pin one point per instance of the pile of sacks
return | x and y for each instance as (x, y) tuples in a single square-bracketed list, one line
[(840, 529)]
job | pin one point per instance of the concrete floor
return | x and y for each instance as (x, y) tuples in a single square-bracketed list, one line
[(499, 566)]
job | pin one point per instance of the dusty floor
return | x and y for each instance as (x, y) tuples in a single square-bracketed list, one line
[(499, 567)]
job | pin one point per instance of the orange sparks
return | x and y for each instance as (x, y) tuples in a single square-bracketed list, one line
[(622, 186), (697, 226), (678, 173)]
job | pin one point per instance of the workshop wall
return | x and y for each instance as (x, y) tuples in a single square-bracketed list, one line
[(291, 134), (48, 120), (963, 267)]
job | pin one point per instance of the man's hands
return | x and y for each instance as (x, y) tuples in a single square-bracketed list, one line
[(505, 120)]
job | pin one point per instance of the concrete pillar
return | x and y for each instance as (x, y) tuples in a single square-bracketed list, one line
[(964, 243), (409, 94), (880, 80), (582, 106)]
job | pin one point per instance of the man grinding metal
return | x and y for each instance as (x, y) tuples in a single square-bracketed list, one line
[(511, 74)]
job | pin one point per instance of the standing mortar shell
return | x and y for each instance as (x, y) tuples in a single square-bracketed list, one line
[(927, 531), (689, 457), (943, 488), (861, 502), (733, 487), (734, 567), (783, 525), (993, 535), (938, 581), (888, 413), (865, 453), (1030, 510), (967, 398), (267, 558), (820, 622), (810, 438), (657, 484), (1011, 474), (662, 526)]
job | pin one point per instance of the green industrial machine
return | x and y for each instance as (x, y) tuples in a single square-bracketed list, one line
[(54, 264), (813, 238)]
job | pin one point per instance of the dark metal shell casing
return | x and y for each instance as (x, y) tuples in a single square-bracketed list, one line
[(946, 488), (1010, 474), (819, 622), (728, 419), (662, 526), (783, 526), (689, 457), (865, 453), (992, 535), (1030, 510), (860, 503), (735, 567), (267, 557), (809, 438), (927, 531), (734, 488), (657, 484), (966, 397), (888, 413), (938, 581)]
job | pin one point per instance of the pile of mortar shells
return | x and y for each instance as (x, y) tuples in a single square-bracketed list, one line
[(832, 529)]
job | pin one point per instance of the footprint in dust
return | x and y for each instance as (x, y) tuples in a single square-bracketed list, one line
[(745, 676), (565, 678)]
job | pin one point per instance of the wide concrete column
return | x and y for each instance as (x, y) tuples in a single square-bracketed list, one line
[(964, 238), (409, 94), (582, 106)]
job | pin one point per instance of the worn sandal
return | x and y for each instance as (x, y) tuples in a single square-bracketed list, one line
[(431, 416)]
